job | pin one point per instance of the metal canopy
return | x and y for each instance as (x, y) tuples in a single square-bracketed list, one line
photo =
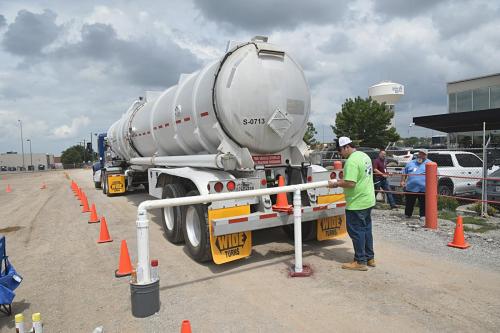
[(461, 121)]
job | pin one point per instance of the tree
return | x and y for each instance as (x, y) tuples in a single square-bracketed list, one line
[(365, 121), (72, 155), (309, 135)]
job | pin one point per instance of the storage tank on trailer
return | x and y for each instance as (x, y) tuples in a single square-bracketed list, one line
[(253, 101)]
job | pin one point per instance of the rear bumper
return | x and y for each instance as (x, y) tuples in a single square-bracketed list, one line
[(263, 220)]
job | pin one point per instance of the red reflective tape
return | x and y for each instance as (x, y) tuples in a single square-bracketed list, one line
[(187, 119), (238, 220), (315, 209), (178, 121), (160, 126), (342, 204), (268, 216), (167, 124), (204, 114)]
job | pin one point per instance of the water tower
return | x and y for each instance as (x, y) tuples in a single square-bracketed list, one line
[(388, 92)]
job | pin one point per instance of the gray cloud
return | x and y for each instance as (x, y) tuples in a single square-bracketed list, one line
[(3, 21), (265, 15), (403, 8), (31, 32), (141, 62), (338, 42)]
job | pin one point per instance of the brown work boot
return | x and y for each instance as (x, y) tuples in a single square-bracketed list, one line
[(355, 266), (371, 263)]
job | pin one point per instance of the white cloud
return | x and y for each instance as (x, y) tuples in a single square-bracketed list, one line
[(71, 131)]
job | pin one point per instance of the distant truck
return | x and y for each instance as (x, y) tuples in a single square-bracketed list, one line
[(235, 125)]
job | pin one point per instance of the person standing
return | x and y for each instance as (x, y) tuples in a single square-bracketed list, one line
[(413, 181), (380, 172), (360, 198)]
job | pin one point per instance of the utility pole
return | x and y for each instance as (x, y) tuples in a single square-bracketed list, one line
[(31, 156), (91, 148), (22, 141), (84, 149)]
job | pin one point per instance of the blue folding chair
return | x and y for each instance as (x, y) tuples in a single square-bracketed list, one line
[(9, 280)]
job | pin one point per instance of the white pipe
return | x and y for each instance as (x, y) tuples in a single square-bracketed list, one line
[(297, 230), (200, 161), (143, 269)]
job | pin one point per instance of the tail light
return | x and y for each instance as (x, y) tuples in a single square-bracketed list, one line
[(263, 182), (333, 175), (479, 184), (230, 186), (309, 179), (218, 187), (341, 175)]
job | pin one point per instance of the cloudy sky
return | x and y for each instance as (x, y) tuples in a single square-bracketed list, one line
[(69, 68)]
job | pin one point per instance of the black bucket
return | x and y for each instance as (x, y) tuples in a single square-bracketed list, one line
[(145, 299)]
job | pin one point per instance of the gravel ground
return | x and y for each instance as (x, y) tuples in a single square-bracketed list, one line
[(393, 226)]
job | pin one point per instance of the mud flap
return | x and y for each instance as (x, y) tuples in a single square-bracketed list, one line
[(116, 184), (332, 227), (229, 247)]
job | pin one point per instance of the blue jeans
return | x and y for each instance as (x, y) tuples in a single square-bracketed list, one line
[(384, 184), (359, 228)]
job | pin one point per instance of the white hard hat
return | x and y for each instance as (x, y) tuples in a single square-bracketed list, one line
[(344, 140)]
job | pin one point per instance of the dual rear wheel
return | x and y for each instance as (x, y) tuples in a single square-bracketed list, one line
[(187, 224)]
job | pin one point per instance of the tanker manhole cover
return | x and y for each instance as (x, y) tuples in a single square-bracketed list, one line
[(280, 122)]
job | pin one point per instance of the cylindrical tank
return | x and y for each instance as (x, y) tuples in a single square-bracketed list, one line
[(256, 95)]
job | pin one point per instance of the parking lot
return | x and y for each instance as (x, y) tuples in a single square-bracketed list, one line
[(69, 278)]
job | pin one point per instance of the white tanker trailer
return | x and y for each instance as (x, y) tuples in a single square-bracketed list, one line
[(235, 125)]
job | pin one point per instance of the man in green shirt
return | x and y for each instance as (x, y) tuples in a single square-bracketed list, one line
[(360, 198)]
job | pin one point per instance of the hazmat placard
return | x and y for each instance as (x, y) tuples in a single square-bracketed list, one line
[(226, 248)]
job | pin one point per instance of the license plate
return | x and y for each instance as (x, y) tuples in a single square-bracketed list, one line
[(244, 187)]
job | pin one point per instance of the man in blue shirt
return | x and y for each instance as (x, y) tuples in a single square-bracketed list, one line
[(413, 180)]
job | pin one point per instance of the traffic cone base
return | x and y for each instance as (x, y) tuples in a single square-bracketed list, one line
[(93, 215), (43, 187), (458, 238), (8, 189), (281, 199), (186, 326), (85, 204), (104, 236), (124, 265)]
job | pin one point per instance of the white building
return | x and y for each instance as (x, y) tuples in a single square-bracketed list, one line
[(14, 160)]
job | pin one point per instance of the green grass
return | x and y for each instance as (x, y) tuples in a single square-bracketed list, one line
[(484, 225)]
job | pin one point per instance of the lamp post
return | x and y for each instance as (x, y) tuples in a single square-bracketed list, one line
[(22, 141), (31, 156), (410, 126)]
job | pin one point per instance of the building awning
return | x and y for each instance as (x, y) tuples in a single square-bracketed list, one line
[(461, 121)]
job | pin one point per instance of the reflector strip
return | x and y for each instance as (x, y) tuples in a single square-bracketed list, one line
[(204, 114), (155, 128), (315, 209), (241, 219), (178, 121), (167, 124), (187, 119), (342, 204), (161, 126), (268, 216)]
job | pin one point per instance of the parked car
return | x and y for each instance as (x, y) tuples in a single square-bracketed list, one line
[(3, 168), (450, 164), (492, 187), (41, 167)]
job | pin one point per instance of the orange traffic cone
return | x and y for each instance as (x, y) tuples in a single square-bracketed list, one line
[(458, 238), (186, 326), (43, 187), (8, 189), (85, 204), (124, 266), (93, 215), (104, 236), (281, 200)]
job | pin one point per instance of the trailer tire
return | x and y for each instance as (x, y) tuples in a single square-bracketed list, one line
[(196, 230), (97, 185), (104, 183), (308, 231), (172, 216)]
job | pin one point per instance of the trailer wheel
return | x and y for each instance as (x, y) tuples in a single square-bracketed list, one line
[(104, 183), (196, 230), (308, 231), (97, 184), (172, 216)]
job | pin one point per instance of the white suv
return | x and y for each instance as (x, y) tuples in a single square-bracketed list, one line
[(451, 163)]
